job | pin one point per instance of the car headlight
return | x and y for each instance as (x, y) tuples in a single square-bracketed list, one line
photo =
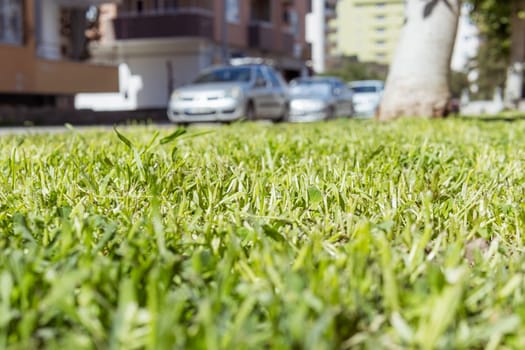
[(234, 92), (317, 105)]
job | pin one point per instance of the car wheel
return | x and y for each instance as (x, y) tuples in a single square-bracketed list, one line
[(250, 111), (331, 113)]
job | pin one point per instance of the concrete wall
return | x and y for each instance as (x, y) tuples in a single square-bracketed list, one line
[(16, 69), (155, 74), (22, 71), (63, 77)]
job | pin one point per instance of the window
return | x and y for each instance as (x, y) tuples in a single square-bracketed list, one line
[(232, 11), (339, 88), (140, 6), (228, 74), (134, 6), (380, 18), (261, 11), (291, 19), (380, 29), (11, 28), (380, 42), (274, 79), (259, 78), (149, 6)]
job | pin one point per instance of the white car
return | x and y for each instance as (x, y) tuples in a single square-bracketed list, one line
[(228, 93), (319, 98), (367, 96)]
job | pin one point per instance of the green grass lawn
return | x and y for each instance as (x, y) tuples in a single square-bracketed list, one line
[(347, 234)]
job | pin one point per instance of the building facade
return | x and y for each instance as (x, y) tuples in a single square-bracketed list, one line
[(44, 59), (163, 44), (320, 31), (368, 29)]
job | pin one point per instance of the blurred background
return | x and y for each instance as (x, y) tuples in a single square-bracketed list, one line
[(94, 60)]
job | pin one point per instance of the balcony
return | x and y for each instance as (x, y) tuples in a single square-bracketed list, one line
[(84, 3), (261, 35), (169, 24), (288, 44)]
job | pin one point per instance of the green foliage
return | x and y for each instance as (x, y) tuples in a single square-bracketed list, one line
[(349, 70), (348, 234), (458, 82), (492, 69), (493, 20)]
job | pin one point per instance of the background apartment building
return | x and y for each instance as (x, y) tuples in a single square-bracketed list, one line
[(320, 29), (369, 29), (163, 44), (43, 53)]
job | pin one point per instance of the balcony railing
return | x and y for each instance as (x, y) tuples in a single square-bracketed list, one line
[(186, 22), (167, 11)]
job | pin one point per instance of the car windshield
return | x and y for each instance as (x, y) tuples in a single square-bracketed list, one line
[(311, 88), (364, 89), (228, 74)]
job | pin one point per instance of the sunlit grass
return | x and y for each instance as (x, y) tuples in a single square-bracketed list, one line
[(318, 236)]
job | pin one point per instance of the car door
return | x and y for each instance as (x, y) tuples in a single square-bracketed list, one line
[(262, 95), (279, 96), (346, 96), (344, 100)]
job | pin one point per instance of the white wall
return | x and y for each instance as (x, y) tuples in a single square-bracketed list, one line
[(48, 29), (145, 78), (316, 34), (154, 73)]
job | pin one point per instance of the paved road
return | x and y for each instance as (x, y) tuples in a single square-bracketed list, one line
[(29, 130), (24, 130)]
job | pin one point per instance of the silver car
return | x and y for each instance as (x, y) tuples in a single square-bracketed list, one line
[(319, 98), (367, 96), (229, 93)]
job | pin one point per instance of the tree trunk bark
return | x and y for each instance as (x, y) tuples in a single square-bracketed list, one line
[(514, 82), (418, 81)]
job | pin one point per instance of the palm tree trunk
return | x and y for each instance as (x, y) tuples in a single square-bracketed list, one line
[(418, 81), (514, 82)]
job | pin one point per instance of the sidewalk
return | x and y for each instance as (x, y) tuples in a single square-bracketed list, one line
[(49, 116)]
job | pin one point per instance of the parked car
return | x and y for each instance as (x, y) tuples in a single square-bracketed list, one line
[(367, 96), (229, 93), (319, 98)]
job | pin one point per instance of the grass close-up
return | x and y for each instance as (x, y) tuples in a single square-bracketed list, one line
[(337, 235)]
